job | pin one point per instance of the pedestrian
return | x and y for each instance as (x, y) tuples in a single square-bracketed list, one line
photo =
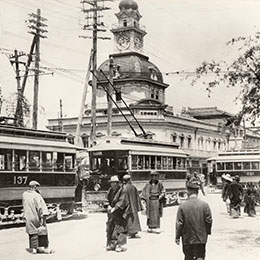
[(154, 195), (201, 179), (35, 213), (117, 214), (236, 196), (193, 224), (133, 223), (250, 200), (227, 180)]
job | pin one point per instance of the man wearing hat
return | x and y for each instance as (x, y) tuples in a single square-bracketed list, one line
[(133, 223), (227, 179), (153, 194), (193, 224), (117, 215), (35, 212)]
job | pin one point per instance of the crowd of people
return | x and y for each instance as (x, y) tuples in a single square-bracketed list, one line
[(235, 195)]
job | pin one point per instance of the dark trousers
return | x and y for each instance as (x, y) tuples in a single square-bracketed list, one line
[(194, 251)]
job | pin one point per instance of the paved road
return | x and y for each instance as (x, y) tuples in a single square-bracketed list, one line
[(237, 239)]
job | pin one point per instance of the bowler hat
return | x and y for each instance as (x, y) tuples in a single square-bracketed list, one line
[(114, 179), (34, 183)]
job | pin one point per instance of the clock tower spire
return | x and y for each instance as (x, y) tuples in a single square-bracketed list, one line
[(128, 33)]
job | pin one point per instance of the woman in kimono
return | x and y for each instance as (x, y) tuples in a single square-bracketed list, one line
[(250, 200), (154, 195)]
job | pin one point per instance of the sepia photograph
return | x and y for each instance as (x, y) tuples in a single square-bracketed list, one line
[(129, 129)]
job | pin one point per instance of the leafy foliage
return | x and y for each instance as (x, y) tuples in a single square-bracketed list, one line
[(243, 72)]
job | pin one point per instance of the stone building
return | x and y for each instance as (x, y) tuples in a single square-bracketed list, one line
[(140, 83)]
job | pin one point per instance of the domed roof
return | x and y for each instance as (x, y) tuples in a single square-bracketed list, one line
[(128, 4), (133, 65)]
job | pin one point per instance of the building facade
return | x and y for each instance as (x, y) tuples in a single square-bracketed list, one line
[(140, 84)]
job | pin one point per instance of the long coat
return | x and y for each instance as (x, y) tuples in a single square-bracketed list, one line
[(116, 223), (152, 193), (134, 206), (193, 222), (34, 208)]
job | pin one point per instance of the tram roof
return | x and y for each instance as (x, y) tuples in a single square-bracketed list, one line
[(8, 142), (133, 145), (235, 158)]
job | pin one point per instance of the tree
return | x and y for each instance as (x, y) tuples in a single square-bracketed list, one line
[(242, 72)]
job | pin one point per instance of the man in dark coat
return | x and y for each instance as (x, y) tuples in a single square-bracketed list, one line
[(133, 223), (117, 214), (236, 195), (193, 224), (153, 194)]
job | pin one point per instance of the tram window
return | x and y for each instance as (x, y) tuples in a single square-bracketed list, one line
[(246, 165), (34, 160), (255, 165), (220, 166), (237, 165), (159, 162), (229, 166), (20, 160), (69, 162), (170, 163), (5, 160), (47, 161), (147, 162), (134, 162), (153, 162), (58, 161), (174, 162), (96, 162), (140, 162), (164, 163), (179, 163), (122, 163)]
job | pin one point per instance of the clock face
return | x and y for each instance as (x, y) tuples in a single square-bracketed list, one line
[(138, 43), (123, 42)]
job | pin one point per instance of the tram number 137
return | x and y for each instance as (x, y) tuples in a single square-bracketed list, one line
[(20, 180)]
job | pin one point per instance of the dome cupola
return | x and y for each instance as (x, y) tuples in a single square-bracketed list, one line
[(128, 4)]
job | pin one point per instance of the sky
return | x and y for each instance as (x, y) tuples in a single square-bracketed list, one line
[(181, 34)]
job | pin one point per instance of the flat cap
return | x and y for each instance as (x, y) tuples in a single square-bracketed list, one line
[(193, 184), (34, 183), (126, 177)]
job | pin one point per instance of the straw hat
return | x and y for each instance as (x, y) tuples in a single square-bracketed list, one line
[(114, 179), (227, 177), (126, 177)]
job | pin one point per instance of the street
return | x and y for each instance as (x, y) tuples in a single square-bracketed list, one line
[(85, 238)]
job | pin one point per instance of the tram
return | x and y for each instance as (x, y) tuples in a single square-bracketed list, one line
[(136, 157), (244, 163), (44, 156)]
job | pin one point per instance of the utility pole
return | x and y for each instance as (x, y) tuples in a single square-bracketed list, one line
[(36, 24), (19, 109), (92, 24), (109, 94)]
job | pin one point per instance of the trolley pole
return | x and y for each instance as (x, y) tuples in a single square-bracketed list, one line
[(109, 94)]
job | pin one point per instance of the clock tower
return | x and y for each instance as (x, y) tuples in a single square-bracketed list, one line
[(128, 33)]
